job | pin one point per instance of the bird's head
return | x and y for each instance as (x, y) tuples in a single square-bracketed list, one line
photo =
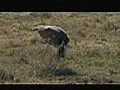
[(39, 28)]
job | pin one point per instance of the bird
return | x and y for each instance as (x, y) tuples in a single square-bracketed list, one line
[(54, 35)]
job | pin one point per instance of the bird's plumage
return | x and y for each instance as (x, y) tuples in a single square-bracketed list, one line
[(55, 35)]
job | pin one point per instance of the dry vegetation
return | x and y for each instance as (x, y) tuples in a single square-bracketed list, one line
[(93, 55)]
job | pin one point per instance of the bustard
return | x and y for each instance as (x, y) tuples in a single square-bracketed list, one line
[(54, 35)]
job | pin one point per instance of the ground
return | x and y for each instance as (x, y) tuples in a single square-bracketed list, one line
[(93, 55)]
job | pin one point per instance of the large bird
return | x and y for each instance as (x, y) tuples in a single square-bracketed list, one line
[(54, 35)]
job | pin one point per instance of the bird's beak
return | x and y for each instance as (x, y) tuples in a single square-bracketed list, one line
[(35, 29)]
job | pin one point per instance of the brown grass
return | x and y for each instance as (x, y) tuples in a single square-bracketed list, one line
[(93, 55)]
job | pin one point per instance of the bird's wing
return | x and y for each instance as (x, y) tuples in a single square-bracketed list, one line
[(51, 33)]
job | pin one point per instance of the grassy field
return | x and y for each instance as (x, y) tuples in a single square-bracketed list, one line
[(93, 55)]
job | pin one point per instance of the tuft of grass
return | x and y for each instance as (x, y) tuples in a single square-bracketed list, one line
[(5, 76)]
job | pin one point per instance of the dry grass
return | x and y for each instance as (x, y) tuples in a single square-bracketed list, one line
[(93, 55)]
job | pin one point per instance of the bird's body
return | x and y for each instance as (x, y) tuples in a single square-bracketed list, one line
[(54, 35)]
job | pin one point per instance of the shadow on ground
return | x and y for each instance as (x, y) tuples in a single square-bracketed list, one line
[(64, 72)]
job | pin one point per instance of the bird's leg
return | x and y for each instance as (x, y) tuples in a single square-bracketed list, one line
[(58, 53), (61, 50)]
